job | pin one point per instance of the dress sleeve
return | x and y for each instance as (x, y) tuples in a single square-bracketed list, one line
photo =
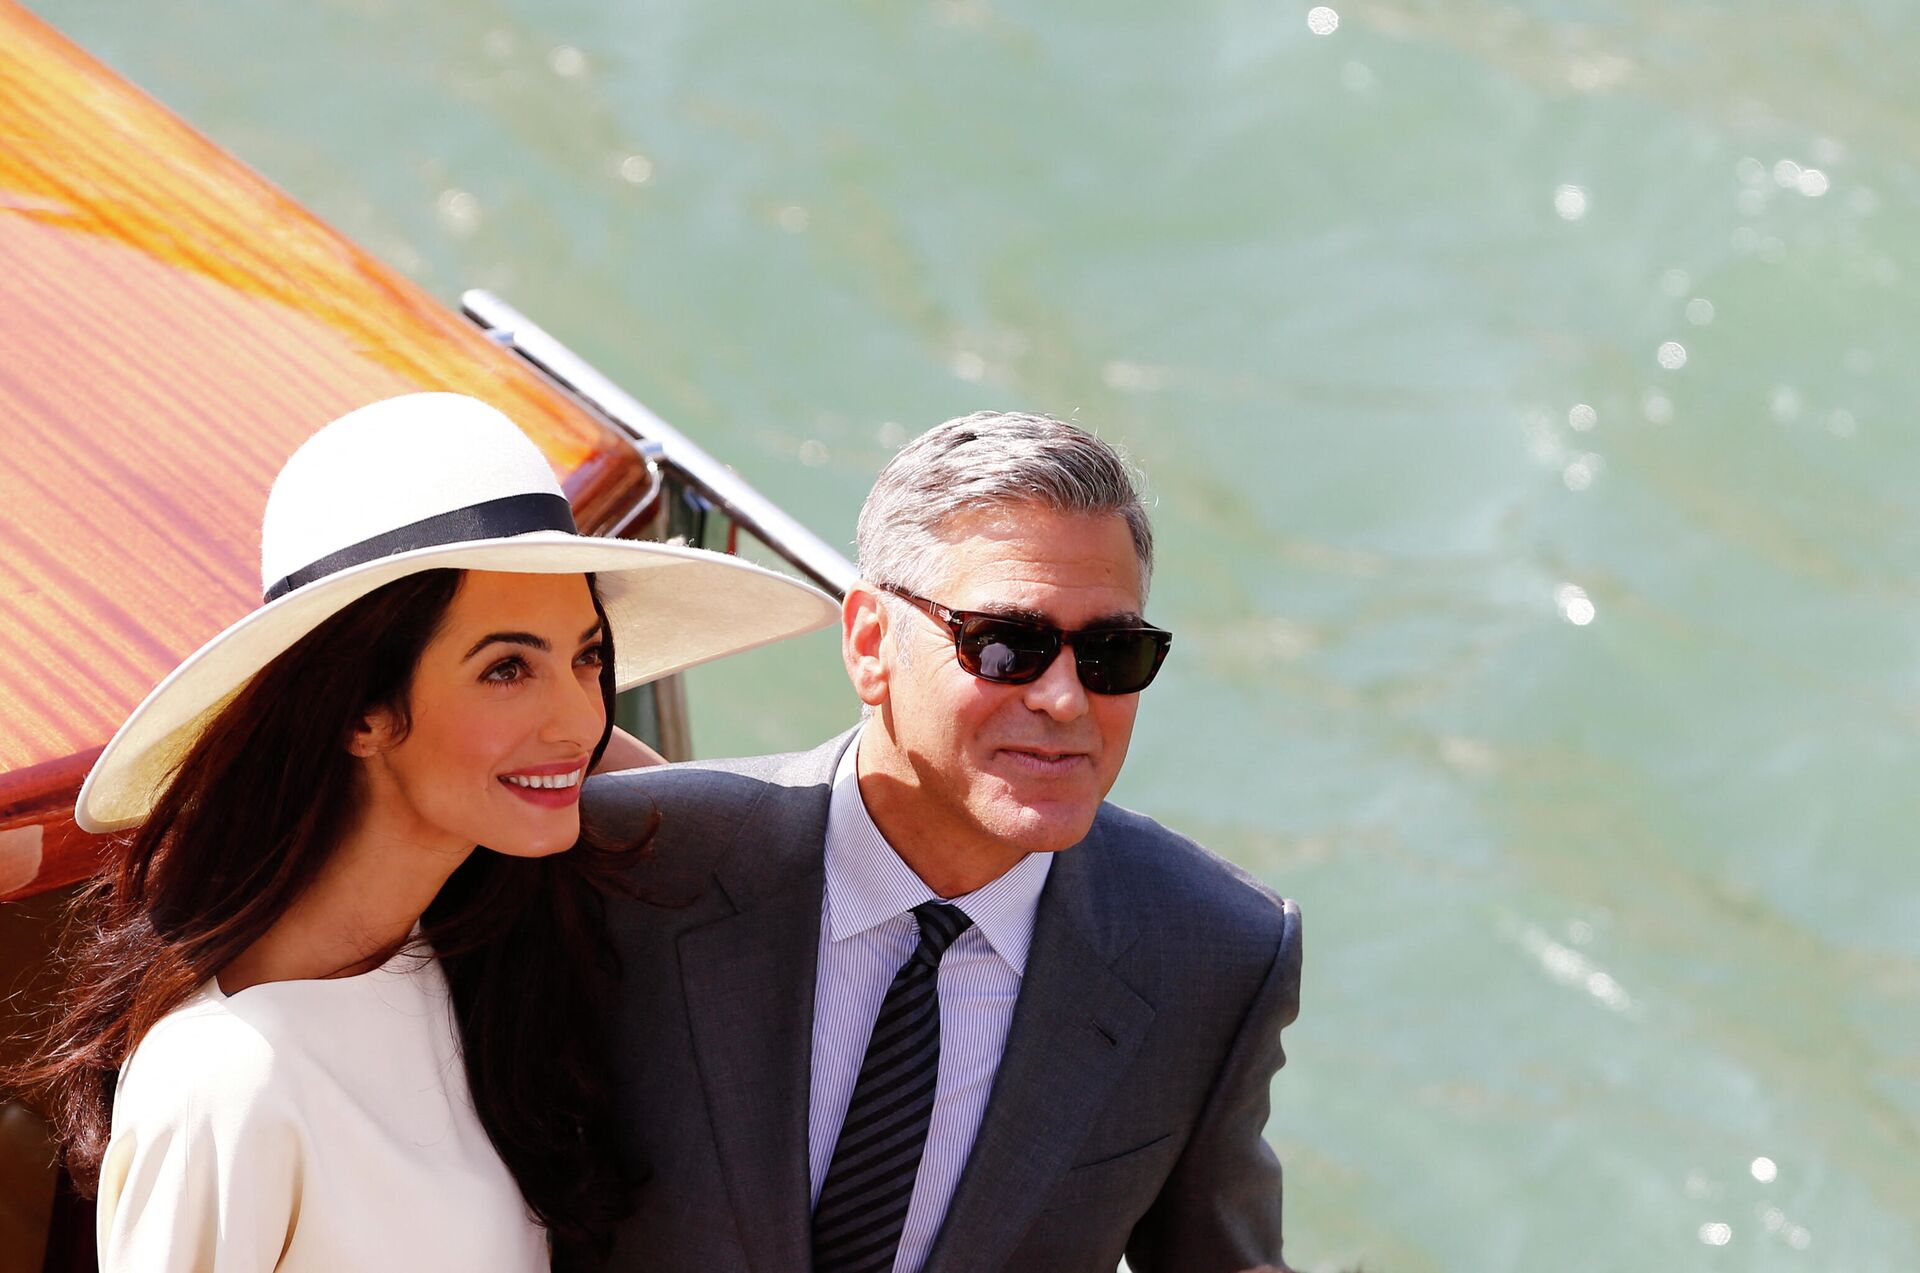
[(203, 1171)]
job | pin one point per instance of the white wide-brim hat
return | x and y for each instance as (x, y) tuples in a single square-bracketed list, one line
[(423, 482)]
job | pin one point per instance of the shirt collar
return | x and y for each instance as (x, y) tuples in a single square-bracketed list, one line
[(868, 883)]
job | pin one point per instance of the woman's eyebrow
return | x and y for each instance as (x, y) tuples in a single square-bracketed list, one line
[(508, 638), (539, 643)]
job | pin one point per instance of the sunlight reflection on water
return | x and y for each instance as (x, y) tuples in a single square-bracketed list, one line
[(1432, 329)]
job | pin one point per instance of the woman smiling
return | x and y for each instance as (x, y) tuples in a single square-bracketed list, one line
[(332, 1009)]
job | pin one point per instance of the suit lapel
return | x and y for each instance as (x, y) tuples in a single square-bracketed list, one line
[(752, 1022), (748, 981), (1075, 1029)]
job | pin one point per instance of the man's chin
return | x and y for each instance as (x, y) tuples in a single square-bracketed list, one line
[(1045, 826)]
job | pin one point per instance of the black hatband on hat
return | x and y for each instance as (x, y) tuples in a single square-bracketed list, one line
[(494, 519)]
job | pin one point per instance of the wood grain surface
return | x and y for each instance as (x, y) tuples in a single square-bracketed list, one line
[(172, 328)]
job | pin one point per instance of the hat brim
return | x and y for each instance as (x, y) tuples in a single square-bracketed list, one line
[(669, 608)]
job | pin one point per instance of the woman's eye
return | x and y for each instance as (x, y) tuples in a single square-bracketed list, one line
[(592, 656), (506, 671)]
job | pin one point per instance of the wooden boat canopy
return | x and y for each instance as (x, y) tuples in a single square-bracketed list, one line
[(174, 327)]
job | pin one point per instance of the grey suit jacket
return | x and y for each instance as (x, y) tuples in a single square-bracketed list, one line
[(1127, 1113)]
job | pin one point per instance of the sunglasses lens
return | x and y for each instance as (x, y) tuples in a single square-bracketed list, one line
[(1012, 653), (1122, 662)]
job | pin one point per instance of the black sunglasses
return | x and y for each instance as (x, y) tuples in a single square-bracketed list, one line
[(1016, 651)]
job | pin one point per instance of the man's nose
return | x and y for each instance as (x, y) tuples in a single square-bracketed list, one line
[(1058, 691)]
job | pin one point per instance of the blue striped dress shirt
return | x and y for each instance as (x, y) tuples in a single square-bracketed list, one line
[(866, 933)]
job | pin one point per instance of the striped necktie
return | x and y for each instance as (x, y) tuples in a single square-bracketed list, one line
[(863, 1202)]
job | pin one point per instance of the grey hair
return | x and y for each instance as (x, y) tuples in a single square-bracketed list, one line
[(990, 460)]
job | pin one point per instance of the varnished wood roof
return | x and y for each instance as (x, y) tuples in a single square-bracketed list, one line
[(171, 328)]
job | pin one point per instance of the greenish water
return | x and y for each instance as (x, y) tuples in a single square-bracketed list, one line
[(1614, 949)]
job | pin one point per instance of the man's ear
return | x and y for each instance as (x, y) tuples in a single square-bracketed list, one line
[(863, 637), (372, 733)]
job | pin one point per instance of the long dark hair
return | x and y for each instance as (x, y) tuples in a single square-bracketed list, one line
[(250, 815)]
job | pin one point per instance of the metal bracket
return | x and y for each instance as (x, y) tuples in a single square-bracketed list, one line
[(663, 444)]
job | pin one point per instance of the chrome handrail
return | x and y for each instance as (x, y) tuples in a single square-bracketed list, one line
[(661, 442)]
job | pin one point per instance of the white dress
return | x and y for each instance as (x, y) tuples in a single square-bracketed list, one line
[(309, 1127)]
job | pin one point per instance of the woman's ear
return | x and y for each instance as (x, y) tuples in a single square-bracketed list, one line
[(372, 734)]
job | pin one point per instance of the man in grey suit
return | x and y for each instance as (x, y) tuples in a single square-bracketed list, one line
[(919, 999)]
